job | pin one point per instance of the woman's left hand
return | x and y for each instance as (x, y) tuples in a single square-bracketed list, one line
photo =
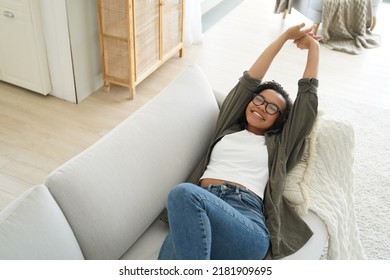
[(307, 40)]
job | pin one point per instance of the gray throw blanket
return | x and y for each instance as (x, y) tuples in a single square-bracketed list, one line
[(282, 5), (345, 25)]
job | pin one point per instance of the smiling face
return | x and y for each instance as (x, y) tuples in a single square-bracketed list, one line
[(258, 120)]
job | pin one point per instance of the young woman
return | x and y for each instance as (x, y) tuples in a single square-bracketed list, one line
[(233, 206)]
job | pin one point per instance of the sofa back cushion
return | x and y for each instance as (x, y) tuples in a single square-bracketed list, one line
[(113, 191), (33, 227)]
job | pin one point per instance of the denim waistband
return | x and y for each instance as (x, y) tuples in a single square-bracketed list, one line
[(234, 188)]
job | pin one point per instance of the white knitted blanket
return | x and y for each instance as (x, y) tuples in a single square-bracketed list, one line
[(345, 25), (323, 183)]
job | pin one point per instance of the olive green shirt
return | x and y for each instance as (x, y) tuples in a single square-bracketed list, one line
[(288, 232)]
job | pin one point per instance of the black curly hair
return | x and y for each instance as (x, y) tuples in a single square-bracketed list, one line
[(280, 121)]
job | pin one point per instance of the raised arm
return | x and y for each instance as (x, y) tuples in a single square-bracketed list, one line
[(304, 112), (310, 43), (263, 62)]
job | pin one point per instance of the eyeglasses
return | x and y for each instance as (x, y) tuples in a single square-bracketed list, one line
[(270, 108)]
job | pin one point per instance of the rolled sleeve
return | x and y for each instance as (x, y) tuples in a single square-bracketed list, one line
[(308, 85), (250, 83)]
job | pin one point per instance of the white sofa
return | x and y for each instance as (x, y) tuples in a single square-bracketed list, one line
[(105, 202)]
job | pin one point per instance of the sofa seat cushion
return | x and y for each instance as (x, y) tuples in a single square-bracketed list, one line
[(33, 227), (316, 247), (147, 247), (113, 191)]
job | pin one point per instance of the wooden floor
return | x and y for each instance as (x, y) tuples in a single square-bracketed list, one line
[(39, 133)]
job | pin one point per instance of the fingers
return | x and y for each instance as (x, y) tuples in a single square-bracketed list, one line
[(303, 37), (301, 25), (307, 30), (317, 38), (298, 31), (306, 41)]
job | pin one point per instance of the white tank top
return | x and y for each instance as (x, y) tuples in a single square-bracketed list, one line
[(242, 158)]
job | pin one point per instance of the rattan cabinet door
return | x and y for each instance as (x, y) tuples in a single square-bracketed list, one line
[(147, 36), (115, 41), (172, 26)]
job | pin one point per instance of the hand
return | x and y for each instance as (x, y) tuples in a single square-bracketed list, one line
[(296, 32), (306, 41)]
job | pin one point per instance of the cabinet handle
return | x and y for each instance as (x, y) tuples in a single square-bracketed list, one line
[(8, 14)]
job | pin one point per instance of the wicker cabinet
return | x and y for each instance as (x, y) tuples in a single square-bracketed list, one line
[(136, 37)]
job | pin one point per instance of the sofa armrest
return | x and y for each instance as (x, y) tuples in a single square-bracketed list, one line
[(33, 227)]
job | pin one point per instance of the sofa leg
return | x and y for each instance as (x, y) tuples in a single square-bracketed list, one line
[(285, 14), (315, 28), (373, 23)]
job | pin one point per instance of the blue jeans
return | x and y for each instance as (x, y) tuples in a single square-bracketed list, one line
[(217, 222)]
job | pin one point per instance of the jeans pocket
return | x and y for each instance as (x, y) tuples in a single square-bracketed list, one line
[(251, 202), (253, 209)]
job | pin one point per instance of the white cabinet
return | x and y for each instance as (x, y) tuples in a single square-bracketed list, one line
[(73, 50), (23, 60)]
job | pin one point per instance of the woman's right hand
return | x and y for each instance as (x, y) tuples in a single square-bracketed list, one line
[(306, 41)]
